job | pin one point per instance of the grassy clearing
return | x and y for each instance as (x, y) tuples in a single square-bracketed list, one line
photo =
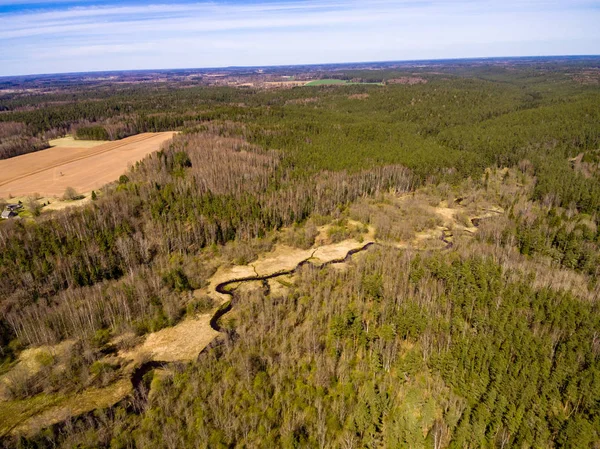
[(30, 415), (30, 362), (34, 205), (326, 82), (182, 342), (14, 413)]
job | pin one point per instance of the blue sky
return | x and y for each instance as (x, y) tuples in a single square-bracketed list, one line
[(37, 36)]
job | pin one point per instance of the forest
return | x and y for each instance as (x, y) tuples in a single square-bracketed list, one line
[(490, 338)]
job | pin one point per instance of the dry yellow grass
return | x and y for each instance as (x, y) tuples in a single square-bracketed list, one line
[(29, 363), (182, 342), (29, 416), (53, 203), (70, 142), (56, 204), (271, 84)]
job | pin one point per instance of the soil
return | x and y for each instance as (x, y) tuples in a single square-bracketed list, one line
[(49, 172)]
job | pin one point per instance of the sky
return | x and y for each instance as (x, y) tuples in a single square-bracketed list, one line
[(38, 36)]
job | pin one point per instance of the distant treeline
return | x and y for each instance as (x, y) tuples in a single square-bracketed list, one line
[(91, 133), (16, 139), (447, 129)]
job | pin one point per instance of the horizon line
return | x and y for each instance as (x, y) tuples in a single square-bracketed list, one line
[(477, 58)]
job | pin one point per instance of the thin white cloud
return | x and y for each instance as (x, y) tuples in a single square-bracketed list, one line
[(199, 23), (209, 34)]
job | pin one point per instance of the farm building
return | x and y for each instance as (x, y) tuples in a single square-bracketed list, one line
[(8, 214), (10, 210)]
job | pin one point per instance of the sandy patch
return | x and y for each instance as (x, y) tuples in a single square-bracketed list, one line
[(182, 342)]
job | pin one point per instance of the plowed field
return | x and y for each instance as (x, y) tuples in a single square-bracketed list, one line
[(49, 172)]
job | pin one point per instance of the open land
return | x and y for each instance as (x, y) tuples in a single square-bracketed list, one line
[(70, 142), (49, 172), (329, 82), (326, 82)]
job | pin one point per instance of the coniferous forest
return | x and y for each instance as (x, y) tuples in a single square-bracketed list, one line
[(472, 320)]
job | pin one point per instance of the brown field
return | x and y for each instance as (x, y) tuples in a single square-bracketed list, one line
[(272, 84), (49, 172)]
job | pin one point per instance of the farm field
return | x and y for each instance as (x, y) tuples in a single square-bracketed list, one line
[(326, 82), (292, 83), (49, 172), (70, 142), (330, 82)]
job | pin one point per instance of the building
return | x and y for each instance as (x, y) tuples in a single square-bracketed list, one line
[(8, 214), (10, 211), (13, 207)]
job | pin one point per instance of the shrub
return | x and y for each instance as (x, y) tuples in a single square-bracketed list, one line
[(71, 194), (200, 305), (177, 280)]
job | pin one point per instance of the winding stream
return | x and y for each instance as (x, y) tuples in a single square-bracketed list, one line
[(137, 377), (222, 288), (138, 374)]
